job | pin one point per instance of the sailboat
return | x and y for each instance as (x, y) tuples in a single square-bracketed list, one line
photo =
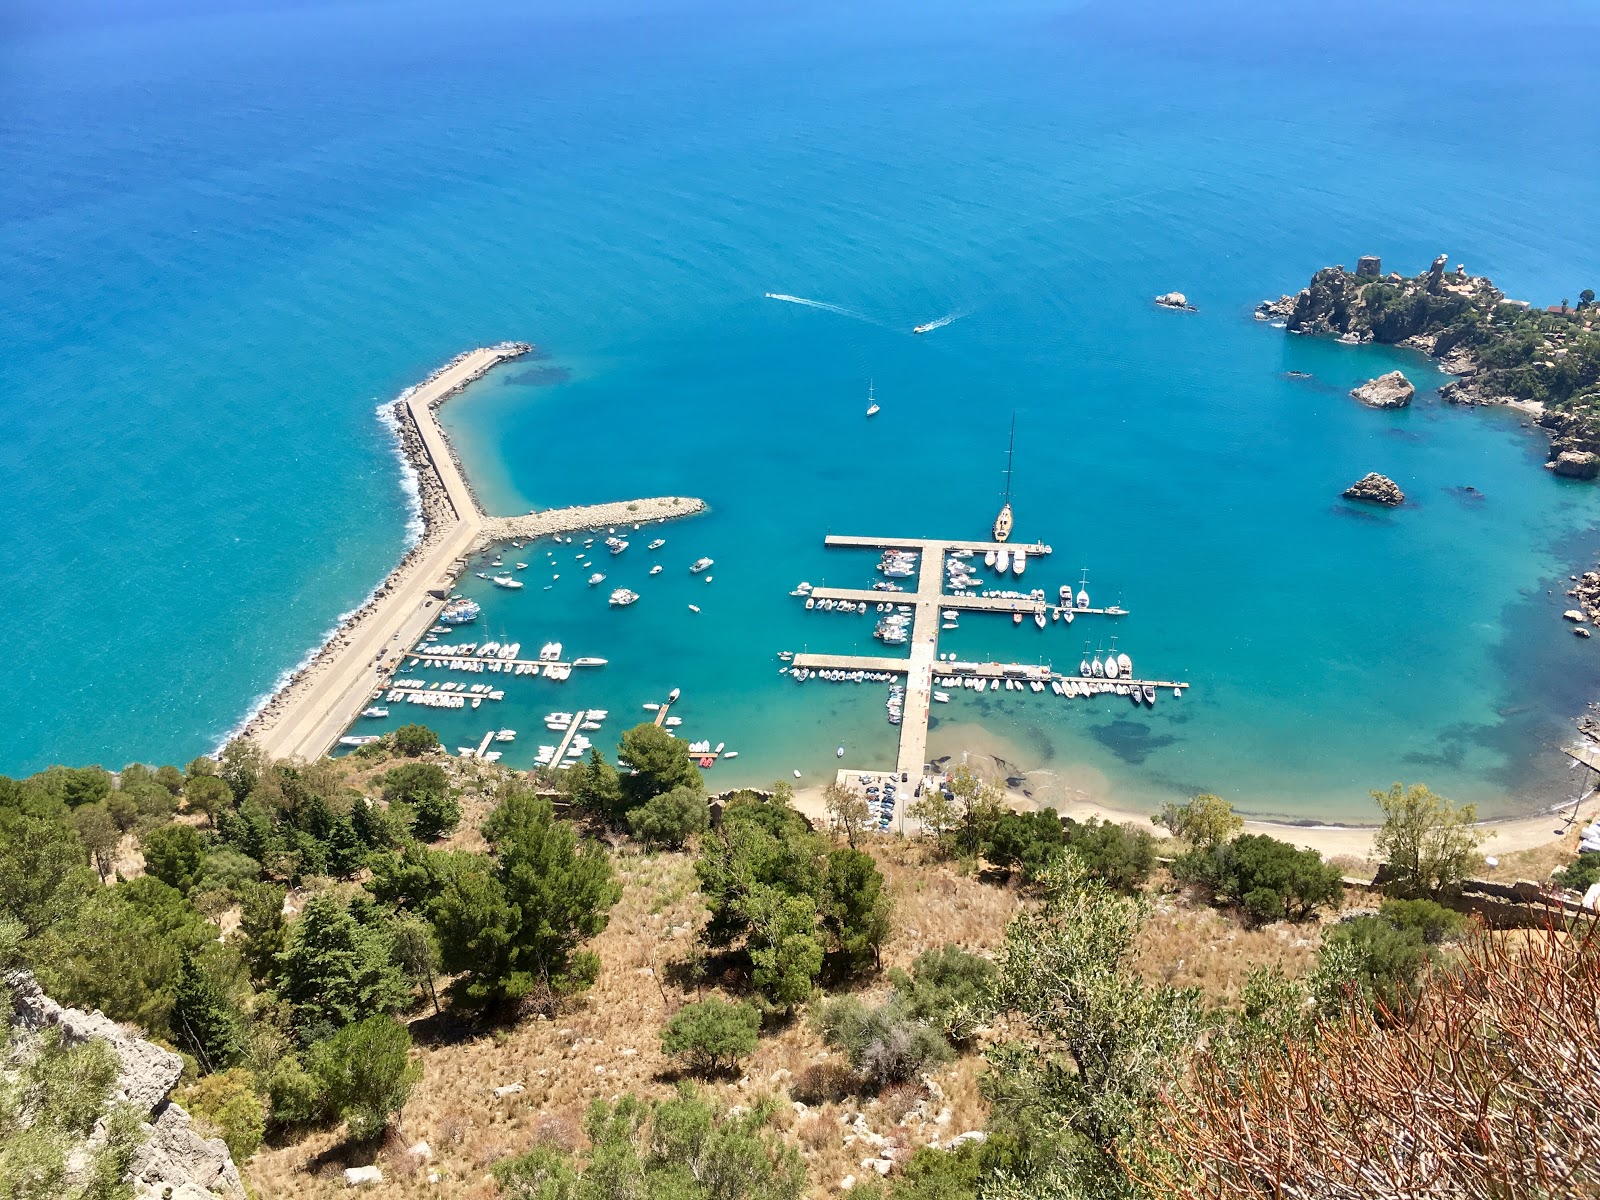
[(872, 404), (1002, 523)]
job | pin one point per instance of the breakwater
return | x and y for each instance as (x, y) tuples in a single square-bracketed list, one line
[(305, 715)]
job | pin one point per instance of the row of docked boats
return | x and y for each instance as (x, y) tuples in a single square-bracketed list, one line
[(898, 564), (895, 705), (844, 606), (835, 675), (1111, 667), (1013, 560), (894, 629)]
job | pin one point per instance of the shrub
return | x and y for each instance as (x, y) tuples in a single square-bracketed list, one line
[(1031, 841), (947, 988), (174, 854), (1271, 880), (228, 1103), (1580, 874), (1370, 958), (365, 1074), (1432, 920), (711, 1035), (883, 1045), (1206, 820), (823, 1083), (1122, 856)]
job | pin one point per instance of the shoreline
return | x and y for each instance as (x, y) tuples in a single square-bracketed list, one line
[(311, 705)]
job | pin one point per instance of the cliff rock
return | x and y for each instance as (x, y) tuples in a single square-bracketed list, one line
[(1375, 489), (1393, 390), (173, 1155), (1576, 464)]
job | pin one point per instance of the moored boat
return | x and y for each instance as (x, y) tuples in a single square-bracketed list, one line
[(699, 564), (623, 597)]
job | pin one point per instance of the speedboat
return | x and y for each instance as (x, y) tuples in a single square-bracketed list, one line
[(1126, 664), (839, 753), (522, 566), (358, 739), (694, 608), (942, 697), (989, 558), (1002, 561), (506, 581), (374, 712), (699, 564), (506, 735), (657, 544), (672, 696), (1019, 561), (1149, 695), (590, 662), (596, 578), (656, 570)]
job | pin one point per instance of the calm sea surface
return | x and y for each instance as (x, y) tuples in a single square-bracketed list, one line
[(226, 237)]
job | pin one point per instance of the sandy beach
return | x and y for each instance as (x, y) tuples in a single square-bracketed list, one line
[(305, 717)]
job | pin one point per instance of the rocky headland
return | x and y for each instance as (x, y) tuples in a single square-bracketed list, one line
[(1542, 360), (173, 1161), (1393, 390), (1375, 489)]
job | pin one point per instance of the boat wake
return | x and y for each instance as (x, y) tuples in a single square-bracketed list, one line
[(939, 324), (822, 304)]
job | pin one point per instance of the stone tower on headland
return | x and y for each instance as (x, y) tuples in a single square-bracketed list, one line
[(1369, 264)]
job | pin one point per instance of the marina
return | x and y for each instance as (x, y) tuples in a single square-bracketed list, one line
[(930, 609)]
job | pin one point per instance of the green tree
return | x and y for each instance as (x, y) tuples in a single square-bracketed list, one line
[(785, 948), (1031, 841), (711, 1036), (242, 765), (121, 951), (416, 949), (1428, 843), (847, 809), (595, 788), (1579, 874), (660, 763), (1205, 821), (978, 805), (261, 929), (855, 909), (83, 785), (173, 854), (337, 969), (204, 1024), (934, 811), (518, 928), (43, 879), (366, 1074), (1585, 299), (671, 818), (225, 869), (98, 832), (415, 740)]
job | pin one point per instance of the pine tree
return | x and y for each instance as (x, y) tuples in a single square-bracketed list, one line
[(203, 1023)]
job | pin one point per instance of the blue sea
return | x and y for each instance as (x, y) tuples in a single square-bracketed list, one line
[(228, 232)]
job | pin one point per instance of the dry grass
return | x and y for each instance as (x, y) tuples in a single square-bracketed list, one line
[(1535, 863), (607, 1044), (1189, 944)]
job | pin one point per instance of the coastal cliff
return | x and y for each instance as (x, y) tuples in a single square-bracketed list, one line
[(1544, 361)]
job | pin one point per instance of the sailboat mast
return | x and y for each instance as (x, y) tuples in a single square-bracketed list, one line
[(1011, 449)]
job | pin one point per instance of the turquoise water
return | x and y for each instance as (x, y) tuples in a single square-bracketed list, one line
[(228, 237)]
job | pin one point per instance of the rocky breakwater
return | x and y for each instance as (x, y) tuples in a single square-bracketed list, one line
[(1373, 488), (173, 1160), (1393, 390), (1544, 361)]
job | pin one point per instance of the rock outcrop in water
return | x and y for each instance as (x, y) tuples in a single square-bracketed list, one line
[(1545, 361), (1575, 464), (1175, 300), (1393, 390), (1375, 489), (173, 1160)]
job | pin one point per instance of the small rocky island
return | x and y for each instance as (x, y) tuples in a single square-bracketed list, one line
[(1545, 361), (1393, 390), (1176, 300), (1375, 489)]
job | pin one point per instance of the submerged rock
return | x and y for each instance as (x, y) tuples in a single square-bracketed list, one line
[(1393, 390), (1375, 489)]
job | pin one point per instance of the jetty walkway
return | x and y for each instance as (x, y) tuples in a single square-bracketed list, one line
[(306, 717), (922, 666)]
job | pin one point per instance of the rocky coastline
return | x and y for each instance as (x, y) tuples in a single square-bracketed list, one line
[(1541, 361), (435, 511)]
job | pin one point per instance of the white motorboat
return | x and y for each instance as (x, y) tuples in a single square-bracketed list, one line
[(506, 735), (623, 597), (506, 581), (590, 662), (672, 696), (797, 774), (374, 712), (989, 558), (1126, 665), (942, 697), (700, 564), (1019, 561), (656, 570), (596, 579), (657, 544), (358, 739), (1002, 561), (694, 608)]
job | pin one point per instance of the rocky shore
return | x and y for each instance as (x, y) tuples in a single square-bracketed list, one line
[(1375, 489), (435, 510), (1542, 361)]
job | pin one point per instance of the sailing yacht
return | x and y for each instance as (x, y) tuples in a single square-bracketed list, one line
[(872, 404), (1002, 523)]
